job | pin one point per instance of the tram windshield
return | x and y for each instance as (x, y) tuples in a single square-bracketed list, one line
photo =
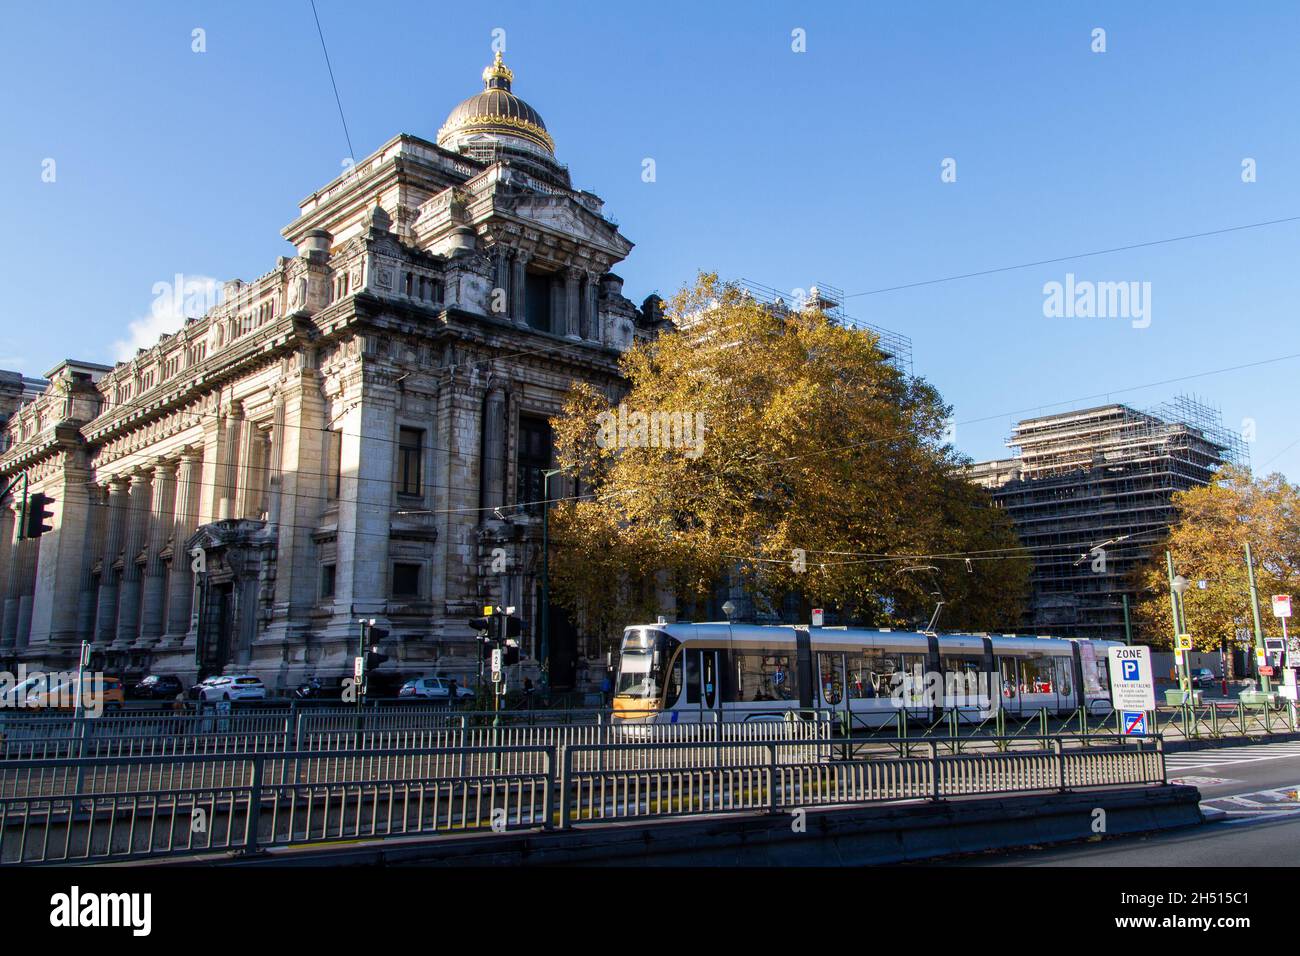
[(643, 662)]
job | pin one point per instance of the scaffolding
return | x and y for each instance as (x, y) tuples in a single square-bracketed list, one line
[(828, 299), (1091, 495)]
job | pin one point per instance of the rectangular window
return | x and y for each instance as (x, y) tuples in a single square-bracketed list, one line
[(406, 580), (327, 575), (534, 459), (762, 676), (410, 455)]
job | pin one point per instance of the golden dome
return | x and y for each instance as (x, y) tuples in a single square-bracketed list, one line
[(496, 111)]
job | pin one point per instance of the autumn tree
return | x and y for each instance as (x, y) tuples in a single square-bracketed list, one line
[(787, 448), (1208, 541)]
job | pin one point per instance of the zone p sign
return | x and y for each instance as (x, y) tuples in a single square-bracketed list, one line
[(1132, 688)]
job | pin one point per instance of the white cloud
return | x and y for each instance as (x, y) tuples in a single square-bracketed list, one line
[(185, 297)]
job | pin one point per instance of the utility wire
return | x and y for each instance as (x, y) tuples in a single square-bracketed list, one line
[(321, 33), (1078, 255)]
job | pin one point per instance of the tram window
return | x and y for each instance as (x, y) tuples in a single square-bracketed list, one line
[(871, 673), (1010, 680), (961, 679), (831, 667), (674, 687), (1037, 675), (693, 676), (1103, 676), (763, 677), (1064, 667)]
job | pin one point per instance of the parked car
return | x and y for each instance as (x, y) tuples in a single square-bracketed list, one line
[(196, 692), (234, 687), (433, 688), (108, 692), (1204, 677), (158, 687)]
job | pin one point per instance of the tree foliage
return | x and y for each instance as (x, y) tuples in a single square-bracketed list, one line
[(813, 444), (1208, 542)]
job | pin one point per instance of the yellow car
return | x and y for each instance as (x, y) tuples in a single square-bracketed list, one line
[(106, 693)]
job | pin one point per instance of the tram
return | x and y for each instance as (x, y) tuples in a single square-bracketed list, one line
[(684, 672)]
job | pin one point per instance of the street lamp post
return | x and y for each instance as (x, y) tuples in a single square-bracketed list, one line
[(544, 652), (1264, 683)]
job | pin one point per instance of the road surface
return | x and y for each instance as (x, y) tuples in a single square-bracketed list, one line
[(1251, 793)]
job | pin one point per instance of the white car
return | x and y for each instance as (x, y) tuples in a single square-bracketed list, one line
[(433, 688), (234, 687)]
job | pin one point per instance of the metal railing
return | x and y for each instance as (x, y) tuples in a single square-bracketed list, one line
[(776, 783), (107, 810), (165, 806)]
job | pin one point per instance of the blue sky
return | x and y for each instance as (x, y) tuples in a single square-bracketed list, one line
[(782, 167)]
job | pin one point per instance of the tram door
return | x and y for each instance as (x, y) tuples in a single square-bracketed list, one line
[(710, 681)]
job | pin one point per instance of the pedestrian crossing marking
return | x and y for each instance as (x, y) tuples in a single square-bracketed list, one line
[(1230, 755)]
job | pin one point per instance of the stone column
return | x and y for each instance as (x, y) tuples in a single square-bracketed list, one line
[(97, 512), (302, 498), (229, 474), (13, 577), (8, 524), (155, 570), (492, 490), (109, 590), (275, 462), (180, 580), (590, 309), (137, 526), (572, 325), (518, 285), (251, 468), (500, 280), (27, 562)]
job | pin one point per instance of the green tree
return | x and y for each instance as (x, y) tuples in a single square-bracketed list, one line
[(1208, 541), (807, 461)]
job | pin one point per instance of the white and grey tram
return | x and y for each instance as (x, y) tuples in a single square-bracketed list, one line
[(689, 672)]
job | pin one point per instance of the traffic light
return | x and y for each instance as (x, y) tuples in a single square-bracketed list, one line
[(38, 518), (511, 655), (374, 659)]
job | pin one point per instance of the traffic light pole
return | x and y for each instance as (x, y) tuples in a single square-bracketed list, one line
[(361, 681)]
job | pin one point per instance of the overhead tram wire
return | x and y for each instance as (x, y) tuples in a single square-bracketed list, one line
[(1078, 255), (337, 99)]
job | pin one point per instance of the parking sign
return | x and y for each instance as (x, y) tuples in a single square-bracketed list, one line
[(1132, 688)]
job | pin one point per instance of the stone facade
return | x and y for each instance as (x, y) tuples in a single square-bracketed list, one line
[(357, 434)]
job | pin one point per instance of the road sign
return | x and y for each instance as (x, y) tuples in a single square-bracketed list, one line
[(1266, 670), (496, 660), (1281, 605), (358, 667), (818, 616), (1135, 722), (1184, 642), (1131, 685)]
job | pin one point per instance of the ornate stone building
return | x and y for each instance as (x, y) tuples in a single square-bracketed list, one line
[(362, 432)]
